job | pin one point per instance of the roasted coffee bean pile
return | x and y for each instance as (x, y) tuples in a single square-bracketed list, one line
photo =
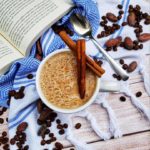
[(129, 68), (134, 19), (17, 95), (4, 141), (20, 138), (110, 17), (45, 120)]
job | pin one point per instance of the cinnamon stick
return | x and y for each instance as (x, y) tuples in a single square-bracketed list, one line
[(81, 65), (90, 63)]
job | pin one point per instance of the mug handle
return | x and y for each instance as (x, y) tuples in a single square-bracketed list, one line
[(109, 86)]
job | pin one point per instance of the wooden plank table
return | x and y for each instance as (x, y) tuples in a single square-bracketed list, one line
[(136, 130)]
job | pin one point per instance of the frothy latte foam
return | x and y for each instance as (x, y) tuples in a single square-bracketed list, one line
[(58, 81)]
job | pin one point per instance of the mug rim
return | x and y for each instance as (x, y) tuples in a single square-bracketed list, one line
[(49, 104)]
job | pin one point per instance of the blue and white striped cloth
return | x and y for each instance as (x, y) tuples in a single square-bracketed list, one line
[(25, 109)]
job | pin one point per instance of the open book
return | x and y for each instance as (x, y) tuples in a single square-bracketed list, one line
[(22, 22)]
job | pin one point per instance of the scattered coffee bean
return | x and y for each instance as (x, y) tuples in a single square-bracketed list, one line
[(121, 61), (125, 66), (30, 76), (12, 141), (4, 133), (1, 120), (122, 99), (124, 23), (65, 125), (58, 145), (62, 131), (72, 149), (43, 142), (58, 121), (78, 126), (120, 6), (139, 94), (132, 66)]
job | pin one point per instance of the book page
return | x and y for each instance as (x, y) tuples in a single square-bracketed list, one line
[(7, 55), (23, 21)]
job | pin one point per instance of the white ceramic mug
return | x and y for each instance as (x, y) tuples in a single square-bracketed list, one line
[(100, 86)]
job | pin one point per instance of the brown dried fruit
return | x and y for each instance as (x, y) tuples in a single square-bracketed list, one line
[(111, 17), (131, 19), (22, 127), (144, 37), (113, 42), (128, 43), (132, 66)]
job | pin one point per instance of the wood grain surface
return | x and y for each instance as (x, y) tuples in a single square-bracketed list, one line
[(135, 128)]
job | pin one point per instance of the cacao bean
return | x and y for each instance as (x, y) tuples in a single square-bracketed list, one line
[(128, 43), (111, 17), (113, 42), (22, 127), (144, 37), (131, 19), (132, 66)]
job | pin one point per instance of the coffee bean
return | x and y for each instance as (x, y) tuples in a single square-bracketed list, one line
[(121, 12), (58, 121), (65, 125), (132, 66), (30, 76), (4, 133), (43, 142), (124, 23), (111, 17), (26, 147), (122, 98), (78, 126), (114, 75), (120, 6), (12, 141), (59, 145), (59, 126), (141, 46), (119, 78), (62, 131), (42, 130), (51, 134), (125, 66), (139, 94), (1, 120), (48, 142), (72, 149), (121, 61)]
